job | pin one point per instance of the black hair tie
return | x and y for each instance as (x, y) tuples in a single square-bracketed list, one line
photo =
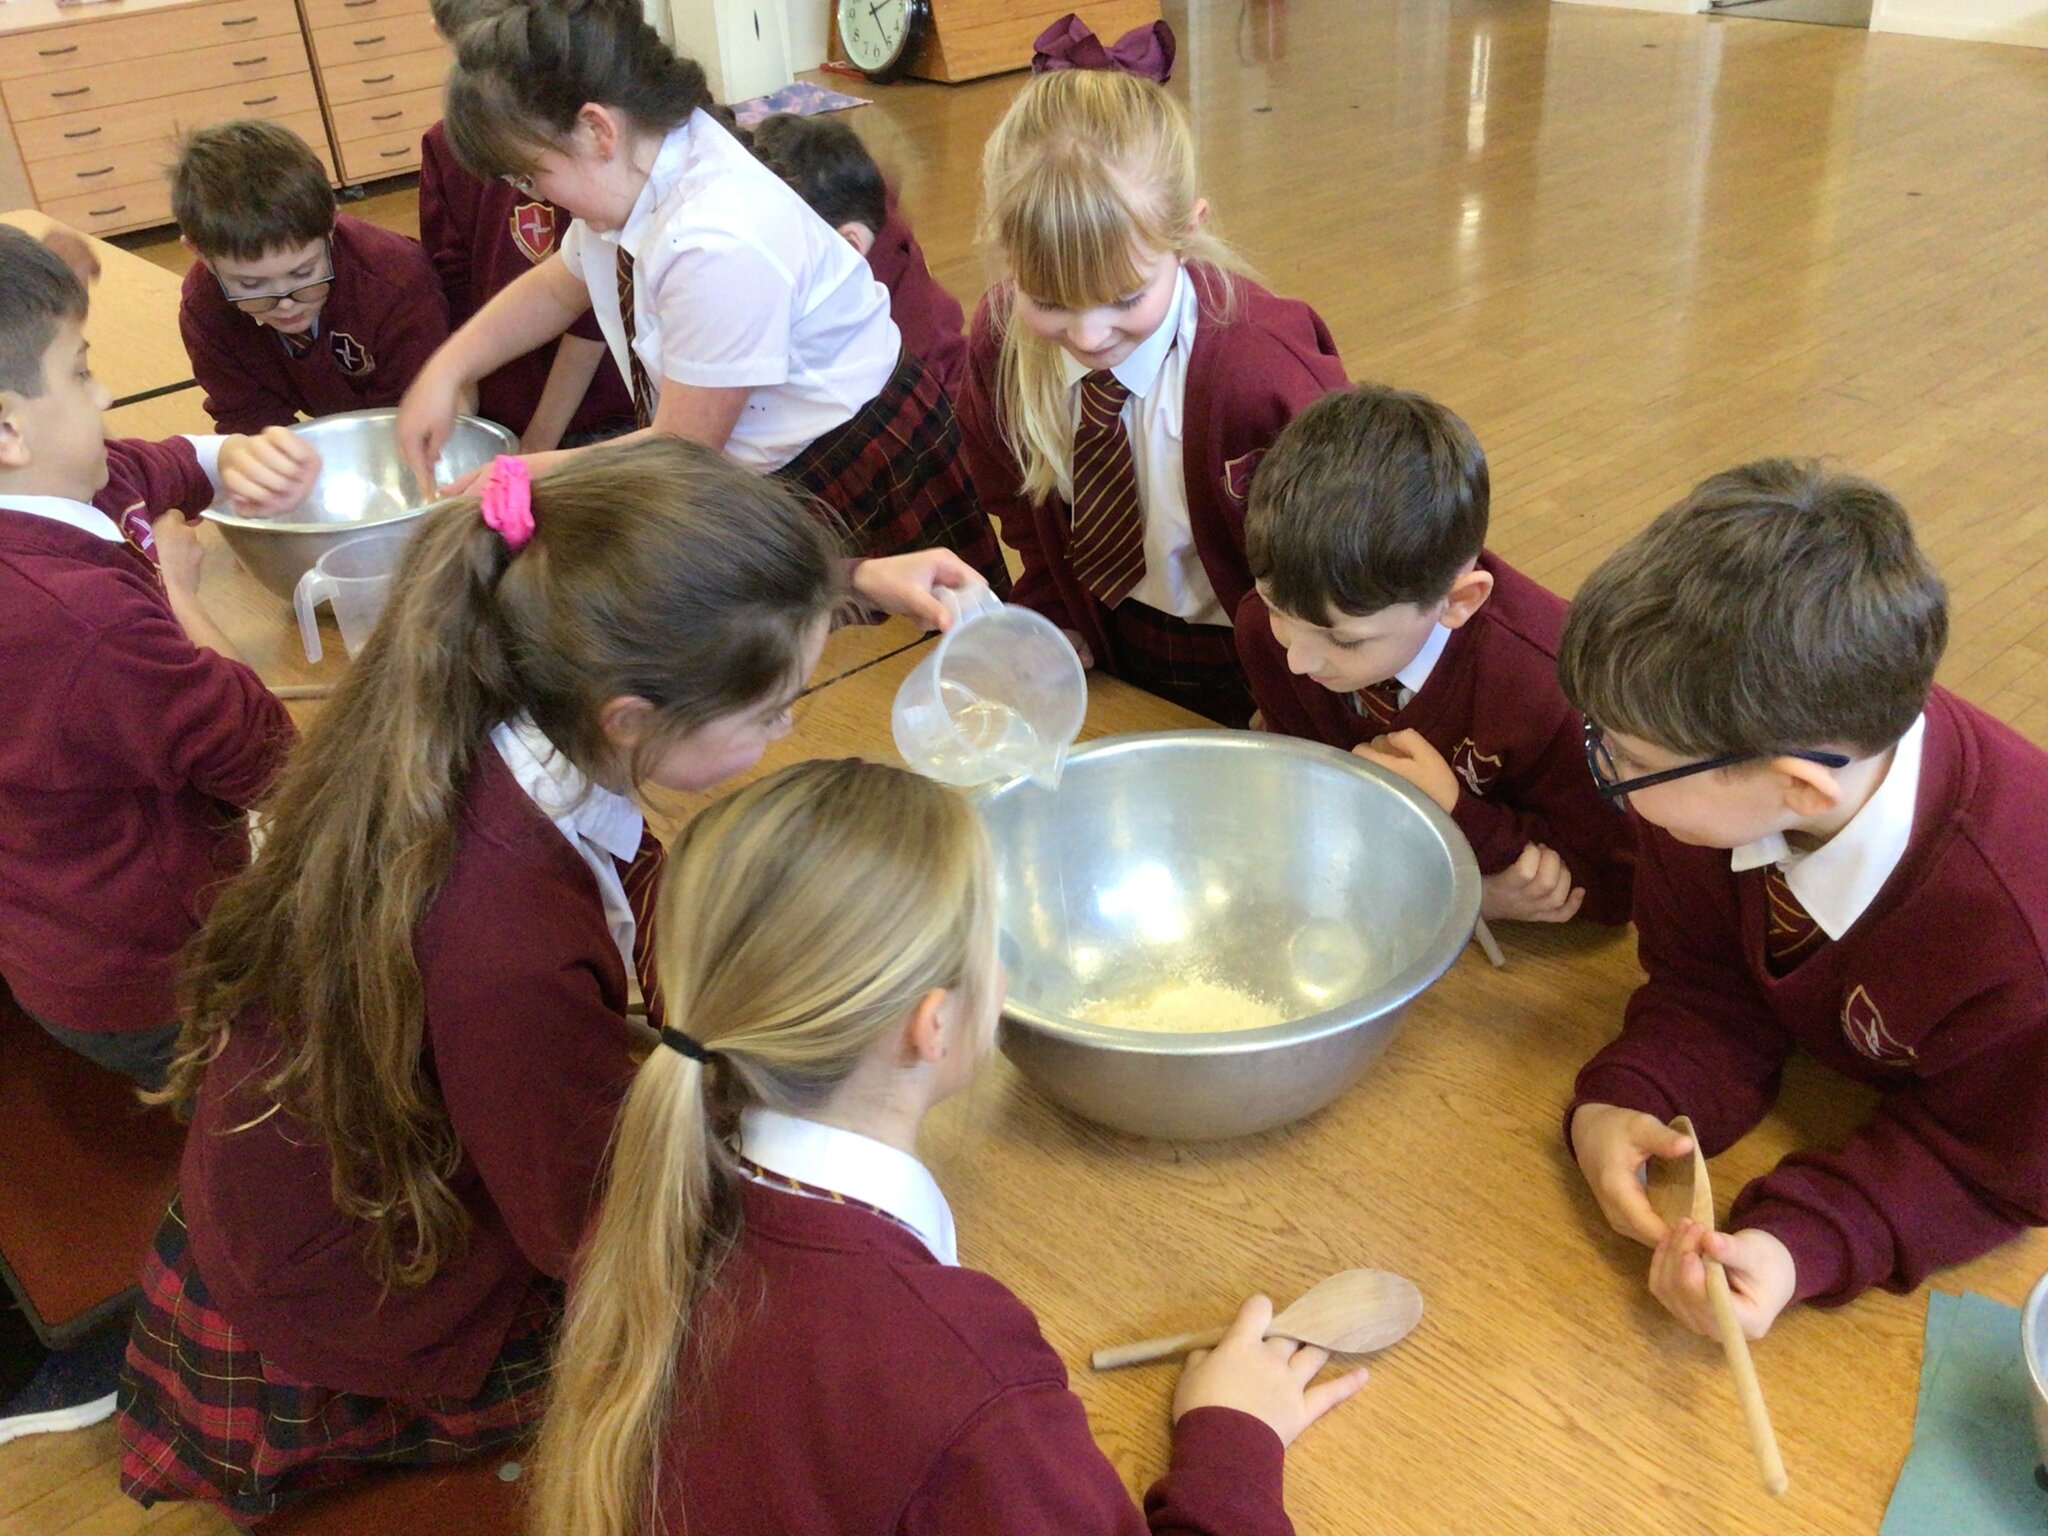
[(676, 1040)]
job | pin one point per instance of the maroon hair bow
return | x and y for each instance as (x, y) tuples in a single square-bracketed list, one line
[(1069, 44)]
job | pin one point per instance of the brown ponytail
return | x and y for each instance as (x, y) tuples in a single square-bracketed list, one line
[(525, 70), (656, 569)]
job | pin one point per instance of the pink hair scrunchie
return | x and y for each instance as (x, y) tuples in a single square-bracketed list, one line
[(507, 501)]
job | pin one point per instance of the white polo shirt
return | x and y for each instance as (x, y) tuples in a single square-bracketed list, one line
[(737, 283)]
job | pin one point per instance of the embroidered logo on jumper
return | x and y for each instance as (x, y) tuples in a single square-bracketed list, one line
[(533, 230), (1237, 475), (1478, 769), (352, 356), (1865, 1030)]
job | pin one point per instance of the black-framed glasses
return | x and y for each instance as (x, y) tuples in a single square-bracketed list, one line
[(305, 293), (1614, 789)]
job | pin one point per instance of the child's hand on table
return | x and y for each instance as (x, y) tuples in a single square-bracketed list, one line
[(1273, 1380), (1412, 757), (1761, 1276), (1612, 1145), (1536, 888), (909, 584), (178, 554), (270, 473)]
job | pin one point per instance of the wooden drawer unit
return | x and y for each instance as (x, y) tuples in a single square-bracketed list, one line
[(381, 117), (163, 118), (390, 154), (147, 160), (86, 90), (368, 41), (92, 41), (376, 79), (117, 208), (346, 13)]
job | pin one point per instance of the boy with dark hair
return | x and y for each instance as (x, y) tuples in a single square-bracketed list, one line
[(1840, 857), (1381, 624), (481, 233), (290, 310), (830, 169)]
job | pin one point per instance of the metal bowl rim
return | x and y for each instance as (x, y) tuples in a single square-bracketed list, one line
[(1380, 1004), (2032, 1317)]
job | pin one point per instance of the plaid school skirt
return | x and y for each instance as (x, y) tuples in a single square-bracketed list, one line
[(1192, 665), (204, 1416), (894, 476)]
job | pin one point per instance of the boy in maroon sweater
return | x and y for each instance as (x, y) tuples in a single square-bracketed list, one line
[(1839, 857), (1380, 624), (290, 310), (134, 732), (825, 161)]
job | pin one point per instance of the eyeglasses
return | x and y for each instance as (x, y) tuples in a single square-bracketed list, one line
[(307, 293), (523, 185), (1614, 789)]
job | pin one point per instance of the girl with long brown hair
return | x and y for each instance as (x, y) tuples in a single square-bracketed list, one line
[(406, 1030), (769, 1330)]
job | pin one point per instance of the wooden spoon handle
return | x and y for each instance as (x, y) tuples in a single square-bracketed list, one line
[(1763, 1443), (303, 690), (1169, 1348)]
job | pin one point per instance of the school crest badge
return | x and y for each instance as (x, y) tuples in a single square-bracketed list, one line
[(1475, 768), (351, 356), (1237, 475), (533, 230), (1864, 1028)]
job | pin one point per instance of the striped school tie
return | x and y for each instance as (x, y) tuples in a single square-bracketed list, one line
[(1790, 932), (1380, 703), (643, 387), (642, 881), (1107, 550)]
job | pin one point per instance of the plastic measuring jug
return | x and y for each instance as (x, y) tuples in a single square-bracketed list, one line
[(1001, 695), (354, 578)]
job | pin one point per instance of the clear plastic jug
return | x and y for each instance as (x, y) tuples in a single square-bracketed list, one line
[(1001, 695), (354, 578)]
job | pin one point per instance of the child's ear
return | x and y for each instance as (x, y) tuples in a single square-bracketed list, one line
[(1810, 789), (924, 1033), (599, 121), (624, 721), (1201, 211), (14, 452), (859, 236), (1468, 595)]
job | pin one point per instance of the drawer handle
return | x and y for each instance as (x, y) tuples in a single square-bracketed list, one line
[(387, 154), (105, 170), (56, 53), (261, 58), (81, 133), (369, 42), (239, 21), (356, 5), (378, 79), (259, 101), (60, 95), (106, 213), (385, 117)]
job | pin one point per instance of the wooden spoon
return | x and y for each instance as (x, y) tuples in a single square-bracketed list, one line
[(1355, 1312), (1679, 1191)]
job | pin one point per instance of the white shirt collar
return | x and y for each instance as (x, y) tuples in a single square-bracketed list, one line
[(1838, 881), (83, 516), (670, 162), (853, 1165), (567, 798), (1140, 371), (1416, 673)]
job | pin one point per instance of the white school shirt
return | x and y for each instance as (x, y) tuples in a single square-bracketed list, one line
[(737, 283), (600, 824), (1838, 881), (1156, 374), (853, 1165), (1416, 673), (87, 518)]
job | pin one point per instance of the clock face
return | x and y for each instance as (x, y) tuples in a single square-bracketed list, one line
[(876, 33)]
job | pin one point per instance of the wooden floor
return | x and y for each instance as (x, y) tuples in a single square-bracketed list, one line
[(1630, 248)]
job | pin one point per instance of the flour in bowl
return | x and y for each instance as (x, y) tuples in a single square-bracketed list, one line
[(1186, 1005)]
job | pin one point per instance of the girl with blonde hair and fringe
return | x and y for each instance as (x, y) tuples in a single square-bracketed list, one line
[(1123, 379), (768, 1330), (405, 1025)]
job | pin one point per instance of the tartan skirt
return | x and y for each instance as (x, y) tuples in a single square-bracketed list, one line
[(1192, 665), (894, 477), (204, 1416)]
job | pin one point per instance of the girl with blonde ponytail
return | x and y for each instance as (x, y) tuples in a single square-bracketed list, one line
[(405, 1025), (768, 1330), (1123, 379)]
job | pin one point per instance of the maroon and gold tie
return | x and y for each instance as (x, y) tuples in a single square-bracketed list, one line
[(1107, 550), (297, 345), (1380, 703), (1790, 932), (642, 881), (643, 387)]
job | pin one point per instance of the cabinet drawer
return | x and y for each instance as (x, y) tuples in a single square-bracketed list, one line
[(153, 122), (88, 44), (92, 90), (378, 78), (385, 116), (344, 47), (390, 154), (346, 13), (124, 164), (97, 213)]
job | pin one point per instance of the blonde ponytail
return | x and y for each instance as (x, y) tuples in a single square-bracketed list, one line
[(800, 920)]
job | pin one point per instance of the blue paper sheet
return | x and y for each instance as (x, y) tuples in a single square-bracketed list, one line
[(1970, 1471)]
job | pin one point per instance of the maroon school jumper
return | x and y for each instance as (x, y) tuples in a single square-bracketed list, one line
[(127, 754), (528, 1044), (482, 234), (928, 316), (1492, 706), (856, 1384), (382, 320), (1938, 997), (1248, 376)]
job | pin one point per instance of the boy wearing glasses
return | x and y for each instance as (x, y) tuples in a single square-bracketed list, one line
[(1839, 857), (290, 310), (1380, 624)]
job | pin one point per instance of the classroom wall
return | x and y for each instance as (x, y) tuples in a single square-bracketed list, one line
[(1986, 21)]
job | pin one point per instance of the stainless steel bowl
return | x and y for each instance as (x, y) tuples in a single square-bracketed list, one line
[(364, 483), (1281, 868), (2034, 1345)]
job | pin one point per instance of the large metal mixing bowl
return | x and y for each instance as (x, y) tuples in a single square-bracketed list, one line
[(1279, 868), (364, 483), (2034, 1345)]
